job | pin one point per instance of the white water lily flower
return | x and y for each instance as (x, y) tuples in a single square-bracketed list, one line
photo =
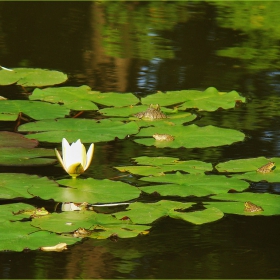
[(74, 158)]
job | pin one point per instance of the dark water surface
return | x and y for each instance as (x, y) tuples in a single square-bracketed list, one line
[(142, 47)]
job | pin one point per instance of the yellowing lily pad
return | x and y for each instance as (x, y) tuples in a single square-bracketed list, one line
[(89, 131), (191, 136), (31, 77), (11, 139)]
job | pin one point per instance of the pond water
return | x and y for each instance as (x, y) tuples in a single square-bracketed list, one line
[(143, 47)]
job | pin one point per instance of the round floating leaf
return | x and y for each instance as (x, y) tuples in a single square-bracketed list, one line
[(11, 139), (193, 184), (210, 99), (102, 225), (8, 117), (146, 213), (191, 166), (7, 211), (199, 217), (31, 77), (235, 203), (114, 99), (191, 136), (26, 157), (243, 165), (18, 236), (144, 160), (75, 98), (85, 129), (34, 109), (87, 190), (14, 185)]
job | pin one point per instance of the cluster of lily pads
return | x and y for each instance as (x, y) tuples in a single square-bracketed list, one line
[(48, 110)]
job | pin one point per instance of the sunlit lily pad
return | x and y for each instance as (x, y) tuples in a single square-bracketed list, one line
[(18, 236), (161, 166), (251, 165), (114, 99), (14, 185), (193, 184), (31, 77), (72, 129), (7, 211), (146, 213), (243, 165), (210, 99), (87, 190), (101, 225), (75, 98), (235, 203), (11, 139), (191, 136), (26, 157), (34, 109)]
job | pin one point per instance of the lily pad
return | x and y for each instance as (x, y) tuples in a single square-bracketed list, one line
[(11, 139), (210, 99), (146, 213), (235, 203), (243, 165), (7, 211), (193, 184), (114, 99), (87, 190), (31, 77), (75, 98), (191, 136), (18, 236), (102, 225), (26, 157), (162, 165), (34, 109), (14, 185), (72, 129)]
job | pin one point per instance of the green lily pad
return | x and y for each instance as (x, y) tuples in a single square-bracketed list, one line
[(243, 165), (235, 203), (31, 77), (165, 165), (87, 190), (114, 99), (75, 98), (199, 217), (18, 236), (14, 185), (8, 117), (34, 109), (210, 99), (193, 184), (85, 129), (11, 139), (26, 157), (146, 213), (7, 211), (102, 225), (191, 136)]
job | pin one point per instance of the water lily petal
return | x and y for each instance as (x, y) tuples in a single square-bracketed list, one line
[(89, 155), (59, 158), (75, 170)]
